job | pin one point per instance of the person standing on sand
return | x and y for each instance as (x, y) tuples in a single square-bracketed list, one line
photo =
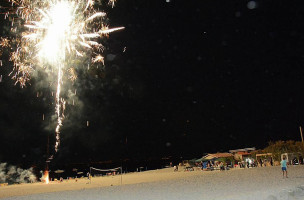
[(284, 166)]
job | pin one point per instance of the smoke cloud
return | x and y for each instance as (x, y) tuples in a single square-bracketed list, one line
[(11, 174)]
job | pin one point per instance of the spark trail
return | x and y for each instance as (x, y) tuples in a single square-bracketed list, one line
[(48, 35)]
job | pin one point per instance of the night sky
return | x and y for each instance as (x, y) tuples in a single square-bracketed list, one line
[(182, 79)]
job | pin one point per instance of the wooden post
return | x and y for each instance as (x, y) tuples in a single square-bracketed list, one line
[(121, 175), (301, 134), (302, 142), (90, 175)]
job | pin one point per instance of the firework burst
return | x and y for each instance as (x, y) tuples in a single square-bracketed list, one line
[(48, 34)]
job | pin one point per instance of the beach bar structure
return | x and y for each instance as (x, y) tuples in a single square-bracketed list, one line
[(213, 156), (222, 157), (242, 154)]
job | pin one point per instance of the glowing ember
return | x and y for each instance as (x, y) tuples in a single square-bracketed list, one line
[(46, 178)]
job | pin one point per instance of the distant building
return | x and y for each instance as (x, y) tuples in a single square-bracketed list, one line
[(242, 150), (242, 154), (214, 156), (218, 155), (217, 158)]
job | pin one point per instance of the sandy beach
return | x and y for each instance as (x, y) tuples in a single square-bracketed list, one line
[(254, 183)]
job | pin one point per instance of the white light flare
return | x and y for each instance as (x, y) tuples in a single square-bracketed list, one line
[(58, 32)]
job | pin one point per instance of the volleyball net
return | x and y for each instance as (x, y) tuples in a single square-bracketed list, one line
[(95, 172)]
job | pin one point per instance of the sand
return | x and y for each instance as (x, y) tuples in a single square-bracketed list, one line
[(254, 183)]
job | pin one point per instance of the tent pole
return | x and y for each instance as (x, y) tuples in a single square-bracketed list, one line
[(90, 176), (121, 175)]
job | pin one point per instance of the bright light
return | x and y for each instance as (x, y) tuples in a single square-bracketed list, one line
[(46, 177), (58, 31), (249, 160)]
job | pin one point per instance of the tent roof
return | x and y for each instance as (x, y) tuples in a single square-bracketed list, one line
[(221, 155), (214, 156), (264, 154), (243, 153)]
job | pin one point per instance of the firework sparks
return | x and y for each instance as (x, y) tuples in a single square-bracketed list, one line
[(98, 58), (56, 31), (4, 42), (72, 74), (112, 3)]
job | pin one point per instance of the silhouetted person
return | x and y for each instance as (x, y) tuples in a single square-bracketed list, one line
[(271, 163)]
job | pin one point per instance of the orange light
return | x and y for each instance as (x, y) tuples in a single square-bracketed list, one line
[(46, 177)]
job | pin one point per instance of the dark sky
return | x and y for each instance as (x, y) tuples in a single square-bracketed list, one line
[(196, 76)]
